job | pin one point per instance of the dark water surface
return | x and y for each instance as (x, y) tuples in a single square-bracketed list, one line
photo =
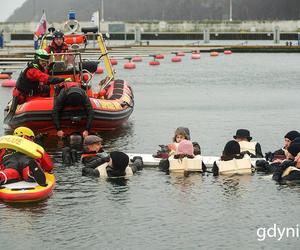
[(213, 97)]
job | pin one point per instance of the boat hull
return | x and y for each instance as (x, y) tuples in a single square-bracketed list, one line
[(109, 113)]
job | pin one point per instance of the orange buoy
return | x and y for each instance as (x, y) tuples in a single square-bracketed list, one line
[(227, 52), (160, 56), (196, 56), (5, 76), (214, 53), (113, 61), (176, 59), (154, 63), (137, 59), (180, 53), (129, 65), (99, 70), (9, 83)]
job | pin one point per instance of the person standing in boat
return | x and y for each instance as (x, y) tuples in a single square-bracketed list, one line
[(16, 166), (71, 94), (243, 137), (98, 163), (57, 45), (34, 80)]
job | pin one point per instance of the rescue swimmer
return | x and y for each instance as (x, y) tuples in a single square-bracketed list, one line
[(16, 166)]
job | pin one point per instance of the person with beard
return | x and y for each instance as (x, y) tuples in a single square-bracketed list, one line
[(34, 80)]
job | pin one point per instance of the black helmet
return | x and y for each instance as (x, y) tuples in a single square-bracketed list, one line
[(58, 34)]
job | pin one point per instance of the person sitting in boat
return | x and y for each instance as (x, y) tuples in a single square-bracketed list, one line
[(57, 45), (181, 133), (71, 94), (232, 150), (16, 166), (280, 154), (34, 80), (97, 163), (253, 149), (289, 170), (179, 160)]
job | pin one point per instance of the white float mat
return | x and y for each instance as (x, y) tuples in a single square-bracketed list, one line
[(20, 185), (149, 160)]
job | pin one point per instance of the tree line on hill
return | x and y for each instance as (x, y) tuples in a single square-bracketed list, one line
[(132, 10)]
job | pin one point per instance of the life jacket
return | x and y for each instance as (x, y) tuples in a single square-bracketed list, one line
[(26, 86), (53, 48), (68, 85), (235, 166), (289, 170), (103, 171), (185, 164), (248, 146), (2, 153)]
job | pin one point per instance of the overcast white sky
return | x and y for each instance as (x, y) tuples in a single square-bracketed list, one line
[(8, 8)]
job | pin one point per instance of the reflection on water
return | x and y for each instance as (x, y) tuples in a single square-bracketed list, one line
[(235, 185)]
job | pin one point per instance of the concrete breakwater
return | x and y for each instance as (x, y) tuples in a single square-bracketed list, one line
[(183, 36), (170, 26)]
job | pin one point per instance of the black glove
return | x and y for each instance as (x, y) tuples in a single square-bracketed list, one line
[(261, 165), (269, 156), (138, 162), (55, 80)]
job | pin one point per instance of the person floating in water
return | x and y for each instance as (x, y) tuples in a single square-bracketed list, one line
[(243, 137), (97, 163), (289, 170), (181, 133), (183, 160)]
